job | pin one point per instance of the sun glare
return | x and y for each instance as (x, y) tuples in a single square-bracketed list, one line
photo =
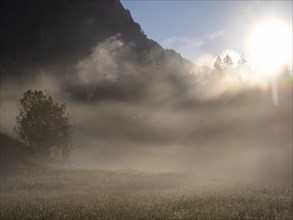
[(270, 46)]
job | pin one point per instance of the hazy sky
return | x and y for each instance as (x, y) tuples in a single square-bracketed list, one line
[(201, 30)]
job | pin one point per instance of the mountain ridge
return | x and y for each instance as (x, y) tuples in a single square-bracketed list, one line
[(94, 48), (64, 31)]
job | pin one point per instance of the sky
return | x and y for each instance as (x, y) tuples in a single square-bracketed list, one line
[(202, 30)]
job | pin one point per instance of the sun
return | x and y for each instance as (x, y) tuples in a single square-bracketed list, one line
[(270, 45)]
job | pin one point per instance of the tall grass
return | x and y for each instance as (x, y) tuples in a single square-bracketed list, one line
[(57, 193)]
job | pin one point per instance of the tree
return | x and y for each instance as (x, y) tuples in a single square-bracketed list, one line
[(218, 65), (43, 124), (228, 61), (242, 60)]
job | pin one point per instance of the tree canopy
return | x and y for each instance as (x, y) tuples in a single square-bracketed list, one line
[(228, 61), (223, 65), (43, 124), (218, 65)]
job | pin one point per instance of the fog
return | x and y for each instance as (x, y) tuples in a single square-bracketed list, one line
[(154, 112)]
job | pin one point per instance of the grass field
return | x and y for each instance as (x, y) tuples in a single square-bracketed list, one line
[(68, 193)]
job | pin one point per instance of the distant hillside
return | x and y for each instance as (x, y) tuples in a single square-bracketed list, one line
[(58, 32), (47, 31), (94, 48), (15, 156)]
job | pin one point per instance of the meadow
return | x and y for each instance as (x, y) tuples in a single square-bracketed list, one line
[(75, 193)]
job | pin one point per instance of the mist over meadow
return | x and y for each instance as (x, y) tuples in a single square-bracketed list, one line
[(162, 113), (145, 132)]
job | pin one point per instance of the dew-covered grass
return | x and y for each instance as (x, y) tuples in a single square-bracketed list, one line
[(67, 193)]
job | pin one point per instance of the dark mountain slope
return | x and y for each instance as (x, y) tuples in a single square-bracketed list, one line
[(14, 155), (94, 48), (58, 32)]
